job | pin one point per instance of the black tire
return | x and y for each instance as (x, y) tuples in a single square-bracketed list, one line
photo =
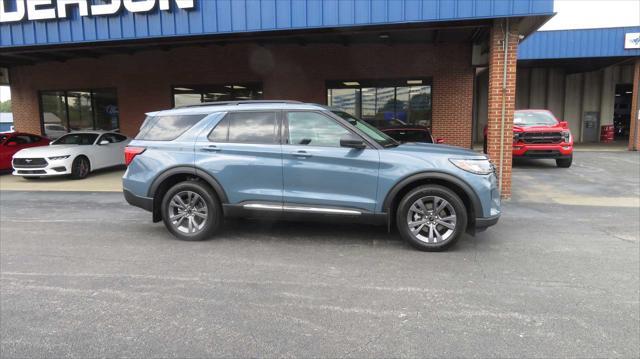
[(564, 162), (432, 191), (213, 211), (80, 168), (484, 145)]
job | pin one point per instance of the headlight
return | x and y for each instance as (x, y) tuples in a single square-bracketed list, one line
[(56, 158), (566, 136), (516, 137), (477, 166)]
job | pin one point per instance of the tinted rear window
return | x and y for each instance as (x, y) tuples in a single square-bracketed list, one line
[(167, 128)]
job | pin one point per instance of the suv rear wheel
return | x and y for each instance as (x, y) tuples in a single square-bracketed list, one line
[(431, 217), (190, 211)]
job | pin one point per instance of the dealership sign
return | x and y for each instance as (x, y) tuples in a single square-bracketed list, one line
[(632, 40), (59, 9)]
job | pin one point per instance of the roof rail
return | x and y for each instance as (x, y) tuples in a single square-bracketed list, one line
[(243, 102)]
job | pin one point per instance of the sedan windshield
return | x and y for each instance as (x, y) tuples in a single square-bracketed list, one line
[(530, 118), (373, 133), (77, 139)]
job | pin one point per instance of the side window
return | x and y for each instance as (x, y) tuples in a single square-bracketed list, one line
[(107, 137), (21, 139), (253, 127), (314, 129), (35, 139), (118, 138), (221, 131), (167, 128)]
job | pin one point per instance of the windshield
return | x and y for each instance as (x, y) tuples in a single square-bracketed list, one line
[(77, 139), (528, 118), (372, 132)]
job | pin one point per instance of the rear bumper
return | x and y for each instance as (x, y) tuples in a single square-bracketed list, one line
[(138, 201)]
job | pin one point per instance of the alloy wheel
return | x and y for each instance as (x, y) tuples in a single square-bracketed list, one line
[(431, 219), (188, 212)]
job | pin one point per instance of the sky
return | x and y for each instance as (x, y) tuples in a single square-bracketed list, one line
[(571, 14), (584, 14), (4, 93)]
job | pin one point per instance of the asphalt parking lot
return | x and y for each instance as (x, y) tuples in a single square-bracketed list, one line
[(85, 275)]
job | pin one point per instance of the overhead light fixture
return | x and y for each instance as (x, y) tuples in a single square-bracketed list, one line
[(183, 89), (628, 92), (351, 83), (384, 36), (414, 82)]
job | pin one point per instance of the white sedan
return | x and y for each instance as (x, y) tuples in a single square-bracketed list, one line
[(75, 154)]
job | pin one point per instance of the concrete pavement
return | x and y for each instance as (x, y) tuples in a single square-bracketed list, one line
[(82, 274)]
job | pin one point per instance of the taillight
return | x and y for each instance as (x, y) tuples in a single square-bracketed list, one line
[(131, 152)]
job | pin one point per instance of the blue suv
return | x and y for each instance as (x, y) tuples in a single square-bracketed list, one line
[(193, 166)]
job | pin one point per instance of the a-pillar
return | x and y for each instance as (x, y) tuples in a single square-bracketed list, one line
[(503, 51), (634, 135)]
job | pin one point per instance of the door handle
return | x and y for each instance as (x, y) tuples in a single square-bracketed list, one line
[(302, 154), (211, 148)]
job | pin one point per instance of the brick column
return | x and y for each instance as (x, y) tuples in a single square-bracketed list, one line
[(502, 95), (634, 136)]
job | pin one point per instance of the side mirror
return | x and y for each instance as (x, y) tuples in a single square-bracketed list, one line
[(12, 144), (352, 142), (104, 142), (439, 140), (564, 124)]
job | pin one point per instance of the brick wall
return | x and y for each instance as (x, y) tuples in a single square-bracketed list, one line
[(144, 79), (496, 95)]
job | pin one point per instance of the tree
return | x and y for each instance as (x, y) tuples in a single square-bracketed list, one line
[(5, 106)]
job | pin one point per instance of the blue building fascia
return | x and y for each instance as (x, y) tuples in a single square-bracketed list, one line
[(211, 17), (578, 43)]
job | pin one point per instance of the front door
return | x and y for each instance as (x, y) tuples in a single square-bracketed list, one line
[(317, 171), (243, 153)]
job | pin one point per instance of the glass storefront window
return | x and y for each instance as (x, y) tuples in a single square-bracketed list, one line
[(105, 104), (76, 110), (54, 113), (383, 103), (80, 110), (193, 95)]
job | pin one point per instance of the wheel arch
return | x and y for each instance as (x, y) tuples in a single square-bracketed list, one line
[(460, 187), (174, 175)]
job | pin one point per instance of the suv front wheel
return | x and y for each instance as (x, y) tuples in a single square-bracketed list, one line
[(190, 211), (431, 217)]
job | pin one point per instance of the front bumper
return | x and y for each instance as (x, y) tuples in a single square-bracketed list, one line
[(138, 201), (560, 150), (50, 170), (483, 223)]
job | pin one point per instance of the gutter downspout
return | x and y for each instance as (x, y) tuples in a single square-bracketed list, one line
[(504, 104), (636, 80)]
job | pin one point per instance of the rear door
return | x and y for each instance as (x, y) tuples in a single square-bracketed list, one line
[(318, 172), (243, 152)]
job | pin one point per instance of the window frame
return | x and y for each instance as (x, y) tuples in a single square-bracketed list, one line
[(340, 121), (66, 120), (380, 83), (229, 115), (255, 85)]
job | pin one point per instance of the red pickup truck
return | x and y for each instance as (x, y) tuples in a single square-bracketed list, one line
[(539, 134)]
